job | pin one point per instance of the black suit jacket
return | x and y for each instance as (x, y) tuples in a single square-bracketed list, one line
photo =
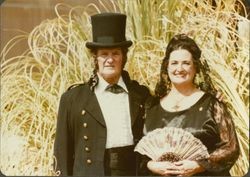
[(81, 131)]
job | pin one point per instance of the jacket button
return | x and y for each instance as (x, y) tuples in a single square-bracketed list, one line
[(85, 137), (87, 149), (85, 125), (83, 112), (89, 161)]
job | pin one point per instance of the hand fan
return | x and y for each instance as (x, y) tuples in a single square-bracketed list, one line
[(171, 144)]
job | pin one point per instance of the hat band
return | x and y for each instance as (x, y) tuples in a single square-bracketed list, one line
[(106, 39)]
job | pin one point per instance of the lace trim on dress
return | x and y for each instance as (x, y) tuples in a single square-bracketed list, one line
[(227, 151)]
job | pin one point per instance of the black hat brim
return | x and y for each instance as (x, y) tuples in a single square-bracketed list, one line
[(92, 45)]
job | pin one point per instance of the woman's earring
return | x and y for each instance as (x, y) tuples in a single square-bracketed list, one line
[(198, 80), (168, 86)]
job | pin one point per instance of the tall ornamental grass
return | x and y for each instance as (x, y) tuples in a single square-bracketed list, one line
[(32, 83)]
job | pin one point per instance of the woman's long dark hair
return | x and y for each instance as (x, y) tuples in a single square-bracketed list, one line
[(182, 41)]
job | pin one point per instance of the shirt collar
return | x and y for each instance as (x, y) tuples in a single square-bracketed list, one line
[(102, 84)]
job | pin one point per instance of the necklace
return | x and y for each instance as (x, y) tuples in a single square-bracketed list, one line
[(176, 106), (177, 102)]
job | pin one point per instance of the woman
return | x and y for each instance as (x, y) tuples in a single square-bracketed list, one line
[(180, 102)]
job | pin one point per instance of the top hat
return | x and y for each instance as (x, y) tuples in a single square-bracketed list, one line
[(108, 30)]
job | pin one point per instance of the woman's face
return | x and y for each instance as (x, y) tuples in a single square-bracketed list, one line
[(181, 69)]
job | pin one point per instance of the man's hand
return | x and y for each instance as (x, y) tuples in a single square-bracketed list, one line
[(219, 96)]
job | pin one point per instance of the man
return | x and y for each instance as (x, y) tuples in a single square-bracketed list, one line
[(100, 122)]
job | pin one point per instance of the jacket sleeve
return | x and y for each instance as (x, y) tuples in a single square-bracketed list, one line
[(63, 145), (227, 150)]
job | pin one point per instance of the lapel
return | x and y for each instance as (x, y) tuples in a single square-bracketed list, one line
[(93, 108), (134, 104), (134, 97)]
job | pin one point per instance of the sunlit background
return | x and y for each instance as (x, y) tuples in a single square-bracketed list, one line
[(43, 52)]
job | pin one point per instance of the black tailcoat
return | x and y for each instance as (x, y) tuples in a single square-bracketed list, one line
[(81, 131)]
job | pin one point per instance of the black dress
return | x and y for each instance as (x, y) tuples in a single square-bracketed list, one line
[(209, 121)]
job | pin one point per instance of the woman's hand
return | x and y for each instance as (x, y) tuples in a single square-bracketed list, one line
[(180, 168), (185, 168), (160, 167)]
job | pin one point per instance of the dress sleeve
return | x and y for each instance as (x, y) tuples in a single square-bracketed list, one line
[(227, 150), (63, 146)]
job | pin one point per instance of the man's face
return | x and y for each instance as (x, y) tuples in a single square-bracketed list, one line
[(109, 62)]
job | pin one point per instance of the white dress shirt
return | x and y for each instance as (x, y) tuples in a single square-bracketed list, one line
[(116, 112)]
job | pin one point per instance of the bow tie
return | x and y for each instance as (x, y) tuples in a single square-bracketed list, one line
[(115, 89)]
